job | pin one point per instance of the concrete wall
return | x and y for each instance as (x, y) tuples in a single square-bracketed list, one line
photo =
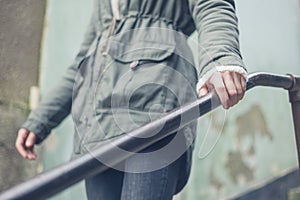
[(21, 26)]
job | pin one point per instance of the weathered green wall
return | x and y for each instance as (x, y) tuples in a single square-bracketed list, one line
[(66, 22), (21, 27), (257, 140)]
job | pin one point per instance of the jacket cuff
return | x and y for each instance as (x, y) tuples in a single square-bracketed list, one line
[(210, 72), (37, 128)]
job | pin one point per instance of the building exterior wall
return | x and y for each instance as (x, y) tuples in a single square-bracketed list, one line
[(21, 27), (257, 137)]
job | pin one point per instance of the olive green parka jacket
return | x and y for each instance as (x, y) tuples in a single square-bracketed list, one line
[(134, 65)]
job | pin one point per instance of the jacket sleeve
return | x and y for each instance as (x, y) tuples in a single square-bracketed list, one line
[(56, 105), (217, 26)]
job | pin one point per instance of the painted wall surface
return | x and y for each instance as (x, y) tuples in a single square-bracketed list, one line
[(257, 139), (235, 150), (66, 22)]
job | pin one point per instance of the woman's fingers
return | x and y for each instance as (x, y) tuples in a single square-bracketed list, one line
[(229, 86), (30, 140), (20, 142), (243, 83), (203, 91), (30, 146), (216, 82), (240, 83), (25, 143)]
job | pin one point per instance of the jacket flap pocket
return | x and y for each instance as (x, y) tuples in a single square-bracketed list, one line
[(150, 44)]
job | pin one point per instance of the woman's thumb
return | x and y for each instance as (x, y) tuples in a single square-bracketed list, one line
[(203, 91)]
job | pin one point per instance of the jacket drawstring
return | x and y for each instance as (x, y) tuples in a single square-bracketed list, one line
[(115, 4), (116, 17)]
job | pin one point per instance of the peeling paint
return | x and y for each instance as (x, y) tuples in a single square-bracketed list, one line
[(250, 125)]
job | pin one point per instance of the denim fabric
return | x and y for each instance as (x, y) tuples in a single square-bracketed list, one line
[(161, 184)]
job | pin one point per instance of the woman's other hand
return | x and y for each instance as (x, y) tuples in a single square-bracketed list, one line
[(25, 144)]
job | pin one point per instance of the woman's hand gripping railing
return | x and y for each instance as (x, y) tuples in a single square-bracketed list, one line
[(66, 175)]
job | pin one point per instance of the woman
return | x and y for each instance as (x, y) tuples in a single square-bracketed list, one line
[(134, 65)]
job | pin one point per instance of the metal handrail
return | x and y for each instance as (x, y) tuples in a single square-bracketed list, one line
[(66, 175)]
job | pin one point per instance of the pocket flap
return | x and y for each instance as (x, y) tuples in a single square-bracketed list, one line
[(150, 44)]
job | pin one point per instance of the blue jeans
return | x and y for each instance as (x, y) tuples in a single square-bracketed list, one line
[(160, 184)]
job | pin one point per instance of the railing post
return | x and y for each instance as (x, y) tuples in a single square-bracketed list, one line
[(294, 95)]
